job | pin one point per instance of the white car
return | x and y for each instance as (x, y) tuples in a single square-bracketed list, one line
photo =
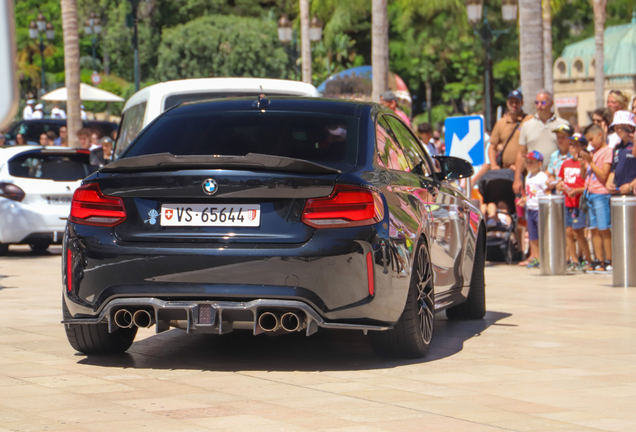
[(36, 189), (145, 105)]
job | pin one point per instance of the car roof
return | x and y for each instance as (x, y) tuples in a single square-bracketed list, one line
[(317, 105), (7, 152), (202, 85)]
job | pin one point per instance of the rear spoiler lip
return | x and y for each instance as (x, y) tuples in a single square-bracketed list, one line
[(255, 161)]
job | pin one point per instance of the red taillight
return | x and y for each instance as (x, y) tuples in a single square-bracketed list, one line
[(91, 207), (347, 206), (69, 270), (370, 279), (11, 191)]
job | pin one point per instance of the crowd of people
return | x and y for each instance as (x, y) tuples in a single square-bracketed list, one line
[(33, 111), (543, 154)]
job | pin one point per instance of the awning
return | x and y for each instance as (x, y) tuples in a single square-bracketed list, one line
[(87, 93)]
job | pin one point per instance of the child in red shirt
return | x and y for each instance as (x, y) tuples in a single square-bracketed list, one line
[(573, 185)]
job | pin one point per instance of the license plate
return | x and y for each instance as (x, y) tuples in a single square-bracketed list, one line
[(58, 200), (220, 215)]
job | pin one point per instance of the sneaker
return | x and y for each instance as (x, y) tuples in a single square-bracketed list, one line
[(533, 263), (591, 267), (572, 266), (582, 266), (608, 266)]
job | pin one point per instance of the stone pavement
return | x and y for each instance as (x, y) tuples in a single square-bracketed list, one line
[(553, 354)]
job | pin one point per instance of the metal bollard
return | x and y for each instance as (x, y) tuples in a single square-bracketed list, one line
[(552, 235), (623, 236)]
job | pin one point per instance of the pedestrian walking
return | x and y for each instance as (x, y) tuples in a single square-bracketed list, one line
[(597, 166), (389, 100), (38, 113), (622, 177), (536, 186), (27, 114), (62, 140), (572, 185), (57, 112), (536, 134)]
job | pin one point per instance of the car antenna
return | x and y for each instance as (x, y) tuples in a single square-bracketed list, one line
[(261, 102)]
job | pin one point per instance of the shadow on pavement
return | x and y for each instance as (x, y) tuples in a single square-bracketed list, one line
[(241, 351), (23, 251)]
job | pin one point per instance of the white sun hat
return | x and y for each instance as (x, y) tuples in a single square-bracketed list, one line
[(39, 107), (623, 118)]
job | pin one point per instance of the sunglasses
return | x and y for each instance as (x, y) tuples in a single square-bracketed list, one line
[(542, 103), (597, 121)]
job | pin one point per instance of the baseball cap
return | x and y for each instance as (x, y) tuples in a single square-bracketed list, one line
[(39, 106), (515, 94), (30, 101), (389, 96), (534, 155), (579, 138), (564, 128)]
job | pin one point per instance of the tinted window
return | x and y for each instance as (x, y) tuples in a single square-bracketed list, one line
[(331, 140), (131, 125), (410, 144), (177, 99), (51, 166), (390, 155)]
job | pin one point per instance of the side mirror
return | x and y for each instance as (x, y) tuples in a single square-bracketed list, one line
[(453, 168)]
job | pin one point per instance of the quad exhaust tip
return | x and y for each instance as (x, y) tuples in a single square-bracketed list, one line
[(292, 322), (143, 319), (269, 321), (123, 318)]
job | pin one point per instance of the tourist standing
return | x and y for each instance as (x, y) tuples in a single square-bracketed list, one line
[(27, 114)]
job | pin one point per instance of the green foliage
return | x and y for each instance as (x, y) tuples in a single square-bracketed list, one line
[(217, 46)]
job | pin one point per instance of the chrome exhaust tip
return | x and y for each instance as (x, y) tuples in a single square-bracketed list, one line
[(268, 321), (292, 322), (143, 319), (123, 318)]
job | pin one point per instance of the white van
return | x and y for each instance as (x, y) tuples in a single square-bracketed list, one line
[(145, 105)]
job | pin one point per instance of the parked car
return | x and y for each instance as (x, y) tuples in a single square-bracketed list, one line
[(275, 215), (36, 188), (145, 105), (32, 129)]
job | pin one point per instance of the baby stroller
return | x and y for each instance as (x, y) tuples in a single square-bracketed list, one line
[(502, 242)]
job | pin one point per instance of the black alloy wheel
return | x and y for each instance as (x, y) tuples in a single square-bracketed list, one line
[(412, 335)]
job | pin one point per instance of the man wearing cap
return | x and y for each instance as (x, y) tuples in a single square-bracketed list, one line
[(389, 100), (57, 112), (38, 113), (504, 140), (622, 177), (536, 134), (27, 114)]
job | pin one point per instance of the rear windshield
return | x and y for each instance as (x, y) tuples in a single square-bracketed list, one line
[(51, 166), (176, 99), (327, 139)]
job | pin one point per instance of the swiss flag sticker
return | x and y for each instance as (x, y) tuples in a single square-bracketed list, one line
[(168, 214)]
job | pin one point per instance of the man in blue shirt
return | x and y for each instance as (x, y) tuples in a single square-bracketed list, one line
[(622, 177)]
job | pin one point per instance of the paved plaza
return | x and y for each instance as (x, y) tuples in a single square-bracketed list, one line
[(554, 353)]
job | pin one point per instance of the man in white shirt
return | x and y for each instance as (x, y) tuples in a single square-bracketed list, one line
[(57, 112), (27, 114), (38, 113)]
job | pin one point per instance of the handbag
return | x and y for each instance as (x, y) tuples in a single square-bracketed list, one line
[(499, 158)]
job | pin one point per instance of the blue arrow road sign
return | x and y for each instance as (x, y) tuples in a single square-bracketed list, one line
[(465, 138)]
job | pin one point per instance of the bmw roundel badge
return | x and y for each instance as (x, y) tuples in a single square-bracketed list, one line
[(209, 186)]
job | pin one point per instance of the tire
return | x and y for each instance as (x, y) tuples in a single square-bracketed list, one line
[(4, 249), (412, 335), (95, 339), (39, 247), (474, 307)]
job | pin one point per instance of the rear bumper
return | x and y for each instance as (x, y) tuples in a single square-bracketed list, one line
[(20, 221), (326, 274)]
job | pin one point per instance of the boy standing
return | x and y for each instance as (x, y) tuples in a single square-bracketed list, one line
[(536, 185), (573, 185), (563, 134), (597, 166), (622, 178)]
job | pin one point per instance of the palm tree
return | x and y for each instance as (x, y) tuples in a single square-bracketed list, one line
[(599, 61), (379, 48), (547, 45), (530, 50), (72, 69)]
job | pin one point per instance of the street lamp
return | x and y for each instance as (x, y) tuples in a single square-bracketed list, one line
[(315, 29), (476, 12), (93, 27), (287, 36), (41, 28)]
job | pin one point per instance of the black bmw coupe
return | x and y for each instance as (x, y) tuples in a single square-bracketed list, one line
[(275, 216)]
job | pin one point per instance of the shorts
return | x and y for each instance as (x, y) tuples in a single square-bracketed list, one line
[(599, 212), (532, 217), (574, 218)]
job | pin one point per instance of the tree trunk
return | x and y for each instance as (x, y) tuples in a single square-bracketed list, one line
[(305, 43), (599, 68), (547, 45), (379, 48), (530, 51), (72, 69)]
